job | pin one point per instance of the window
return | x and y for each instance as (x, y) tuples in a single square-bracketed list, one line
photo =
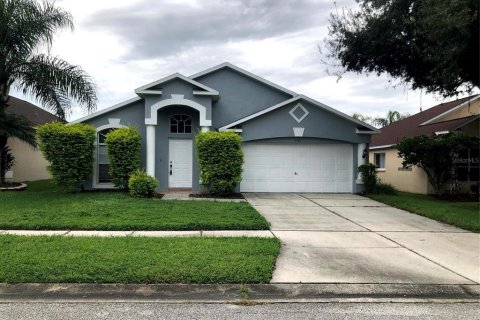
[(180, 123), (380, 160), (102, 157)]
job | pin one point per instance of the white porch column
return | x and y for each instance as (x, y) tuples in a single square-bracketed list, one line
[(361, 160), (151, 150), (205, 129)]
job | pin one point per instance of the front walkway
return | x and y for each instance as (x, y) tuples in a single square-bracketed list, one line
[(345, 238)]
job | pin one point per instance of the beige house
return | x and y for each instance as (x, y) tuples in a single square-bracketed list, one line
[(30, 164), (459, 115)]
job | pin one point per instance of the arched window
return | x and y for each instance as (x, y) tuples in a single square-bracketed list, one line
[(102, 157), (180, 123)]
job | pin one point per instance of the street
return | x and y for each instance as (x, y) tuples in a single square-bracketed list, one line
[(131, 311)]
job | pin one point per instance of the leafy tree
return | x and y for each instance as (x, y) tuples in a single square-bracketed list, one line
[(26, 28), (390, 118), (428, 44), (436, 155)]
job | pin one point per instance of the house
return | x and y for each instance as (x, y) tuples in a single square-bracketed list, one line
[(30, 164), (458, 115), (291, 142)]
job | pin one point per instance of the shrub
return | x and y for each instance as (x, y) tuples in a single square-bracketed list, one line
[(7, 161), (220, 158), (69, 149), (123, 147), (142, 185), (369, 176), (385, 188)]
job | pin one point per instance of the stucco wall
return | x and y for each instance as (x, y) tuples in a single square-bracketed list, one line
[(30, 165), (414, 181)]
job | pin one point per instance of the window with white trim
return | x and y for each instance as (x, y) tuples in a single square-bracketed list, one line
[(380, 160), (103, 163), (180, 123)]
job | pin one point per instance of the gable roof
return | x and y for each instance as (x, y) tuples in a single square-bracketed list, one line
[(33, 113), (244, 72), (301, 97), (414, 125), (175, 76), (459, 106), (100, 112)]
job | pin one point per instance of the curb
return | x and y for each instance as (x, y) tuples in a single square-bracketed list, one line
[(237, 293)]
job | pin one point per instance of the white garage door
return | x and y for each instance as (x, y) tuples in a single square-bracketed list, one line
[(271, 167)]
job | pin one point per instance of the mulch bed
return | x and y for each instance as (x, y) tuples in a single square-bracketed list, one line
[(217, 196), (159, 195), (12, 186)]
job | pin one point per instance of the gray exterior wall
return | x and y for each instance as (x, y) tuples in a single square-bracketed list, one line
[(318, 124), (132, 114), (240, 96)]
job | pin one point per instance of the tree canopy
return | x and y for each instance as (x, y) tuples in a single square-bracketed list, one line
[(427, 44)]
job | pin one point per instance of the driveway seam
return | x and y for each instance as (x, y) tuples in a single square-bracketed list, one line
[(381, 235)]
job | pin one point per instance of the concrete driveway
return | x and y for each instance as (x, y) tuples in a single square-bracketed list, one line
[(345, 238)]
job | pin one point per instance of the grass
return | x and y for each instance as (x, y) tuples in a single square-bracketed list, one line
[(45, 206), (57, 259), (465, 215)]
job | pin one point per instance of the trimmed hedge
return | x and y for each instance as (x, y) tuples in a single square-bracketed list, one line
[(369, 176), (123, 147), (220, 158), (142, 185), (69, 149)]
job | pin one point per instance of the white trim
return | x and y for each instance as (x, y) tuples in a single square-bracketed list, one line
[(451, 110), (100, 112), (150, 150), (298, 132), (305, 112), (179, 76), (245, 72), (381, 147), (366, 132), (437, 133), (380, 170), (231, 130), (314, 102), (112, 123), (178, 99), (204, 93), (146, 92)]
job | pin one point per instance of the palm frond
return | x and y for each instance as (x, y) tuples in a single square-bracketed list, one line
[(55, 83), (17, 126)]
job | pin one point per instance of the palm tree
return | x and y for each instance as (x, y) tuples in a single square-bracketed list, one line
[(26, 28), (390, 118), (361, 117)]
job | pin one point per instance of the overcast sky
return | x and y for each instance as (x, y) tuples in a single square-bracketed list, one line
[(126, 44)]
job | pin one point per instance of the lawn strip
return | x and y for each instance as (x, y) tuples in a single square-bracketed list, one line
[(465, 215), (57, 259)]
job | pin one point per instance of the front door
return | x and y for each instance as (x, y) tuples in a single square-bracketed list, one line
[(180, 163)]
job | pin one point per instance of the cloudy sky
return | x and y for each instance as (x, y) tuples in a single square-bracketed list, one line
[(128, 43)]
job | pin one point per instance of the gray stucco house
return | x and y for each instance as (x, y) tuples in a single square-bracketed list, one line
[(292, 143)]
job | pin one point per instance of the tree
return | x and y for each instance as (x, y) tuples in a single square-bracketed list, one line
[(362, 117), (436, 155), (390, 118), (26, 28), (428, 44)]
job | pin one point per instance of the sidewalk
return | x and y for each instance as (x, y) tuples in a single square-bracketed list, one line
[(156, 234)]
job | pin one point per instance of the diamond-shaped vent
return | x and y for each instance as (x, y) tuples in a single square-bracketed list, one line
[(299, 113)]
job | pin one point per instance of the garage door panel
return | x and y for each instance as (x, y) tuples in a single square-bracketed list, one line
[(271, 167)]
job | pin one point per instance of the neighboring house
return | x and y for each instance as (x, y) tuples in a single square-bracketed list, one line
[(30, 164), (459, 115), (291, 142)]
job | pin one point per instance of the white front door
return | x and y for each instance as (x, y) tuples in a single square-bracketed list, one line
[(180, 163), (273, 167)]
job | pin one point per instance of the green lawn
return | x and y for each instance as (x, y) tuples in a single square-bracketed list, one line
[(465, 215), (44, 206), (136, 260)]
